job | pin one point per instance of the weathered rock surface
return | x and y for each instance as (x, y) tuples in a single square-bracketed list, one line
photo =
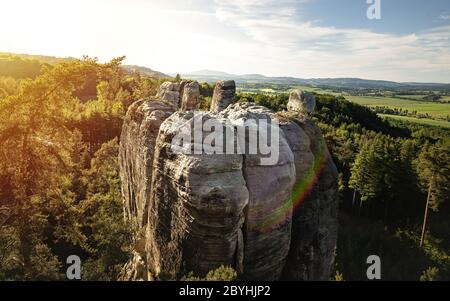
[(224, 95), (135, 269), (138, 140), (301, 102), (266, 241), (199, 210), (190, 96), (170, 92), (197, 207), (314, 227)]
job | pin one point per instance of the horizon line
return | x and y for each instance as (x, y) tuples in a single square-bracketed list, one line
[(228, 73)]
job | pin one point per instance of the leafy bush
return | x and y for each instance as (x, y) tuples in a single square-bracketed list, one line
[(222, 273)]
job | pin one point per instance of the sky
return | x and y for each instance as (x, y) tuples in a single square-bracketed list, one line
[(301, 38)]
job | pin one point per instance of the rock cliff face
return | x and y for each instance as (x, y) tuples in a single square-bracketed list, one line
[(199, 203)]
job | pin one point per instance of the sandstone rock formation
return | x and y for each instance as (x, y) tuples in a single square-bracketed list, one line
[(138, 141), (301, 102), (197, 207), (224, 95), (198, 210), (190, 93), (314, 225), (170, 92)]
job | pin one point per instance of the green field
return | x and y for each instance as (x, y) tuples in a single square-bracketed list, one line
[(414, 97), (319, 90), (437, 110), (440, 123)]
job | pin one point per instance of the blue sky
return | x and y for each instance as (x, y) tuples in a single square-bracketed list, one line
[(302, 38), (398, 16)]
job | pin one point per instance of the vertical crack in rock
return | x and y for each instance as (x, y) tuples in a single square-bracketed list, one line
[(269, 209), (244, 227), (239, 265), (315, 220)]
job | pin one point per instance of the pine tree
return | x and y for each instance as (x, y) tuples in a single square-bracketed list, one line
[(38, 164), (109, 236), (374, 172), (363, 176), (433, 169)]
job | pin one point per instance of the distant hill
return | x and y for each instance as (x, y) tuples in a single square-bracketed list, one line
[(45, 59), (210, 73), (18, 66), (29, 65), (348, 83), (144, 71)]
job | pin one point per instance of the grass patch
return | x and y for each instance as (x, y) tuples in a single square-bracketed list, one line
[(436, 110), (430, 122)]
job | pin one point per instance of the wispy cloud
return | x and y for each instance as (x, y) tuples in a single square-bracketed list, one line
[(311, 49), (444, 16)]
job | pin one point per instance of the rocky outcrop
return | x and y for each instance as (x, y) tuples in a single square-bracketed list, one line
[(224, 95), (314, 226), (190, 96), (301, 102), (266, 236), (136, 154), (170, 92), (200, 206), (197, 207)]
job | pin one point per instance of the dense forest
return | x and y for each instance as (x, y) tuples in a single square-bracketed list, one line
[(59, 182), (60, 125)]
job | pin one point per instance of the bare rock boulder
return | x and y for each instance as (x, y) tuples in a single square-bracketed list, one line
[(301, 102), (170, 92)]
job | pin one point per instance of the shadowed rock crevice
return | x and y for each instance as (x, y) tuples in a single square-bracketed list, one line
[(196, 212)]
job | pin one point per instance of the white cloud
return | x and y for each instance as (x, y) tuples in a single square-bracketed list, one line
[(304, 49), (444, 16)]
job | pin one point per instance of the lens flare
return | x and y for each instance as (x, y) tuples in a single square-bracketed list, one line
[(301, 191)]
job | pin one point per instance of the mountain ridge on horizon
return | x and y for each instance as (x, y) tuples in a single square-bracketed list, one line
[(209, 72), (344, 82)]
